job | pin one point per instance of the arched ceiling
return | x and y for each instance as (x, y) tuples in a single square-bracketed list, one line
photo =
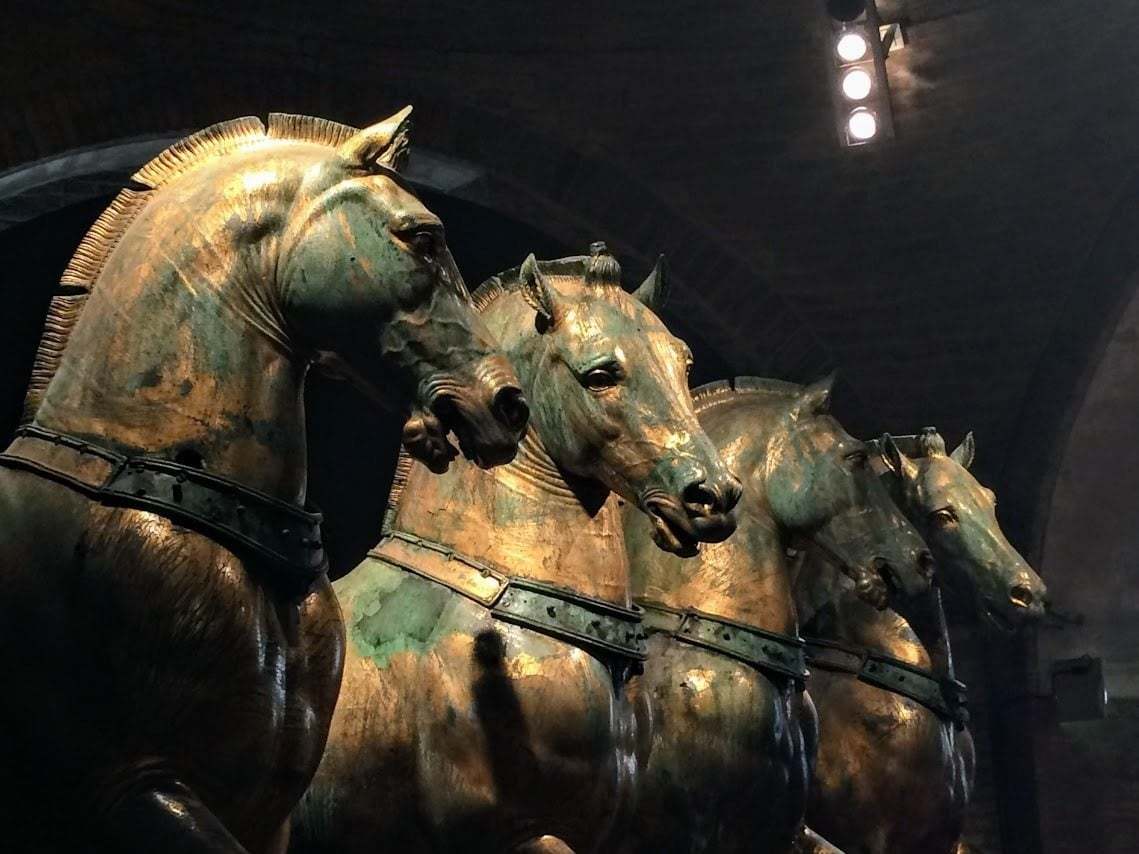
[(938, 272)]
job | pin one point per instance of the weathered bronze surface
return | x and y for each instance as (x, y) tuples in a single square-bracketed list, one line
[(164, 691), (455, 730), (892, 776), (732, 736)]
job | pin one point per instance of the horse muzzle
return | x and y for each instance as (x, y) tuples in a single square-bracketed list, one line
[(487, 413), (702, 514)]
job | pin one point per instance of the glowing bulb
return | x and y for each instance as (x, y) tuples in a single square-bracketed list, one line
[(862, 125), (857, 84), (851, 47)]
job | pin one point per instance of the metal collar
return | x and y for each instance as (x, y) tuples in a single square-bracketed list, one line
[(946, 698), (282, 534), (596, 625), (771, 652)]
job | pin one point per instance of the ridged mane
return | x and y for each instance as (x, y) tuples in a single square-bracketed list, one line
[(719, 391), (90, 258), (399, 483), (508, 281)]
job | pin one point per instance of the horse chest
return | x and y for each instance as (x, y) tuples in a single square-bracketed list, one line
[(727, 760), (223, 673), (494, 723), (887, 768), (710, 707)]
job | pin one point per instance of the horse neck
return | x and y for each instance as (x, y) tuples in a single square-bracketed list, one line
[(747, 577), (836, 613), (180, 349), (522, 518)]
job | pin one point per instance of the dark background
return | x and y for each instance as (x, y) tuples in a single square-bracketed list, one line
[(977, 272)]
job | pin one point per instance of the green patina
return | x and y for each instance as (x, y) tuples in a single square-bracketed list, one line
[(391, 612)]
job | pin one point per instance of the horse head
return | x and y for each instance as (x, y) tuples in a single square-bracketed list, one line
[(957, 517), (607, 383), (819, 480), (367, 283)]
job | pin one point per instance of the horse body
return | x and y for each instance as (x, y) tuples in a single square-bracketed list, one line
[(457, 732), (460, 730), (182, 693), (893, 775), (227, 697), (733, 741)]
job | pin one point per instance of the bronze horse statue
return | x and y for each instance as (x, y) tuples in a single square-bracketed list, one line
[(173, 647), (895, 765), (732, 730), (491, 633)]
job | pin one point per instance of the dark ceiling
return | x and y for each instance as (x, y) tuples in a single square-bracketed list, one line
[(963, 275)]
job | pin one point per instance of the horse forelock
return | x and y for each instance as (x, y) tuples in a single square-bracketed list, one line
[(930, 443)]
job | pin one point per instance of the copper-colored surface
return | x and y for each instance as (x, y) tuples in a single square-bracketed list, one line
[(892, 777), (161, 691), (457, 732), (730, 745)]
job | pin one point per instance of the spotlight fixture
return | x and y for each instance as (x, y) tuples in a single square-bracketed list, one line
[(851, 47), (861, 92), (862, 125), (856, 84)]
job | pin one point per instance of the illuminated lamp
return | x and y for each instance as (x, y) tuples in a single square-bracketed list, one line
[(851, 47), (856, 84), (862, 125)]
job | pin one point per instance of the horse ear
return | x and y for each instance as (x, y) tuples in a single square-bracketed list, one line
[(538, 293), (895, 460), (815, 399), (964, 453), (384, 143), (653, 291)]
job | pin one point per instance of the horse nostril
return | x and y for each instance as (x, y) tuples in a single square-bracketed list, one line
[(511, 407), (1021, 596), (700, 497), (926, 563)]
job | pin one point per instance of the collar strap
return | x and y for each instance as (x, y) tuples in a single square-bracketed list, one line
[(771, 652), (281, 533), (596, 625), (946, 698)]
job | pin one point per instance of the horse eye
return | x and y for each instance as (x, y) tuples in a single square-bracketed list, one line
[(944, 517), (857, 459), (603, 377), (424, 242)]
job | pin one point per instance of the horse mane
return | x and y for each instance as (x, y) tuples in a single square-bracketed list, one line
[(508, 281), (82, 273), (719, 391), (482, 298), (927, 443)]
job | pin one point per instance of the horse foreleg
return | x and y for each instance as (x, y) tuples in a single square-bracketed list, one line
[(809, 842), (543, 845), (165, 816)]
